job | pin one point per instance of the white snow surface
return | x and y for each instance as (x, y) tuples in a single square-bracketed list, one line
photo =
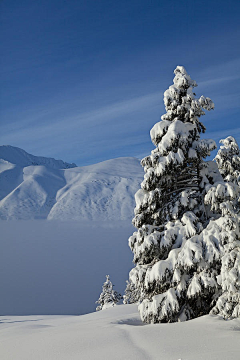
[(117, 333), (43, 188)]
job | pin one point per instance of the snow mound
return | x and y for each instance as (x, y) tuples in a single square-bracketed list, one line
[(114, 334)]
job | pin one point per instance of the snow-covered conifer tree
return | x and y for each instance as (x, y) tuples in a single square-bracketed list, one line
[(228, 304), (108, 297), (177, 259), (228, 161), (132, 294)]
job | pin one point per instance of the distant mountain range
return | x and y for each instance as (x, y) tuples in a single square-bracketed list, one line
[(33, 187)]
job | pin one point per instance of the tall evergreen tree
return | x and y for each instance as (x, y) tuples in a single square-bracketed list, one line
[(108, 297), (228, 303), (177, 259)]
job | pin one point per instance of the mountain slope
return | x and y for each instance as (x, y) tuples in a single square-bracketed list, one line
[(34, 196), (11, 176), (104, 191)]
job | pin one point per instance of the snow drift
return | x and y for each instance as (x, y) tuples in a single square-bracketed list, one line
[(117, 333)]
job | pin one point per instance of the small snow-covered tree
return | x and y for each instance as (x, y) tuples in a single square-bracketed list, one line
[(108, 297), (228, 161), (132, 294), (176, 252)]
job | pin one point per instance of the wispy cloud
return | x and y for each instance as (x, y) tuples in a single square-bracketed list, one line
[(218, 81), (109, 127), (221, 83), (100, 115), (217, 135), (119, 128), (222, 70)]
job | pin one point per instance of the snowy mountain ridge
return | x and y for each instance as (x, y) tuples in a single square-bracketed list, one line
[(20, 157), (34, 187)]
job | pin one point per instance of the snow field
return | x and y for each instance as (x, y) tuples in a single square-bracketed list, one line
[(117, 333)]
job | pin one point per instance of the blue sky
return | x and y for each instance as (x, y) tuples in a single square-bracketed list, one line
[(83, 81)]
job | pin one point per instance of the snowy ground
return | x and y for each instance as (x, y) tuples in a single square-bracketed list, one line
[(117, 333)]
